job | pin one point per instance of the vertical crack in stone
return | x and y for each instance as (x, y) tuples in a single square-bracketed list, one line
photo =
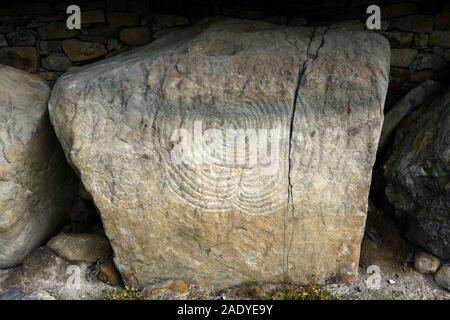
[(290, 205)]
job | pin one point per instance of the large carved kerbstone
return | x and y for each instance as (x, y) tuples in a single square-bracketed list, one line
[(36, 184), (310, 107)]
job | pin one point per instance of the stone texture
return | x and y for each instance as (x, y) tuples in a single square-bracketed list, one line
[(108, 273), (135, 36), (78, 50), (21, 37), (16, 293), (169, 289), (440, 38), (46, 47), (80, 247), (399, 39), (425, 263), (36, 184), (218, 225), (56, 30), (442, 277), (413, 23), (23, 58), (56, 62), (417, 176), (428, 60), (402, 57), (408, 104)]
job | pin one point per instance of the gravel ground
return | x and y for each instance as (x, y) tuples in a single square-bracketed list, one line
[(43, 275)]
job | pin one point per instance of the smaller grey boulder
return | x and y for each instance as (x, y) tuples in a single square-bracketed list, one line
[(56, 62), (80, 247), (425, 263), (442, 276)]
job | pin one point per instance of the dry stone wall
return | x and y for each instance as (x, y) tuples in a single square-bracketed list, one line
[(34, 37)]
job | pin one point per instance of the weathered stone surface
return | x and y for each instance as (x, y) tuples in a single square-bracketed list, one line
[(21, 37), (56, 62), (56, 30), (418, 175), (442, 276), (408, 104), (23, 58), (425, 263), (16, 293), (169, 289), (440, 38), (402, 57), (428, 60), (108, 273), (413, 23), (136, 36), (399, 39), (78, 50), (46, 47), (213, 224), (80, 247), (35, 181)]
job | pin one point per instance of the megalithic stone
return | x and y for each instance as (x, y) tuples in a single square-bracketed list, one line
[(233, 151), (36, 184)]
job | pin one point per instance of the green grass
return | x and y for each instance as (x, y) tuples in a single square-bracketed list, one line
[(125, 293), (308, 292)]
